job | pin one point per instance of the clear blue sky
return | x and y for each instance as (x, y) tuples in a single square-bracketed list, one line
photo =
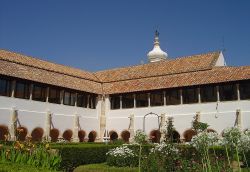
[(95, 35)]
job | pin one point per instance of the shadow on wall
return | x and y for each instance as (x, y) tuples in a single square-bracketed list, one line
[(125, 135)]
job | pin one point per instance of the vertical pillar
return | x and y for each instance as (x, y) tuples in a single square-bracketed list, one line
[(13, 124), (76, 128), (163, 128), (149, 101), (13, 86), (131, 127), (120, 102), (47, 94), (199, 95), (238, 92), (48, 125), (134, 100), (102, 117), (31, 91), (181, 96), (218, 93), (198, 116), (164, 98), (238, 118), (61, 96)]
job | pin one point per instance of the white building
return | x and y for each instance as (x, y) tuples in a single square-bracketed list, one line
[(36, 93)]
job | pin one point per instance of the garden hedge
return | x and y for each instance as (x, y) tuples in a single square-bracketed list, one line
[(74, 155)]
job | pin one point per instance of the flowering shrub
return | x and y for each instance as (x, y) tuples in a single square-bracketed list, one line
[(203, 140), (122, 156), (28, 153), (231, 136), (140, 137)]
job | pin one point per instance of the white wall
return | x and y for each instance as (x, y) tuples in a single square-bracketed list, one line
[(32, 114)]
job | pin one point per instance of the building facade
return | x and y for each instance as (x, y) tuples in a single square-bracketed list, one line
[(36, 93)]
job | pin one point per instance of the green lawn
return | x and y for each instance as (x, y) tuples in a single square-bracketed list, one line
[(9, 167), (103, 168)]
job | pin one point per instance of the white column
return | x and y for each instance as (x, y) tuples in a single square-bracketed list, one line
[(76, 128), (134, 100), (120, 102), (48, 125), (218, 93), (47, 94), (164, 98), (163, 128), (13, 124), (102, 117), (181, 96), (131, 127), (31, 91), (198, 116), (199, 95), (149, 100), (13, 86), (238, 118), (238, 91)]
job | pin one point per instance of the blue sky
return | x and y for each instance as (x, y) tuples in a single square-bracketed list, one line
[(96, 35)]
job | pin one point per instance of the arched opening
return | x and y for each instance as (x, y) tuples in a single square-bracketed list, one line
[(4, 132), (125, 135), (37, 134), (54, 134), (210, 130), (21, 133), (189, 134), (155, 136), (67, 134), (113, 135), (81, 135), (176, 136), (92, 136)]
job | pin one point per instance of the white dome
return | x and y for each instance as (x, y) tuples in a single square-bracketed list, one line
[(157, 54)]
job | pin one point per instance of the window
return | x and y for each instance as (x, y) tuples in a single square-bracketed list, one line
[(5, 87), (54, 95), (127, 101), (173, 97), (244, 90), (228, 92), (141, 99), (82, 100), (69, 98), (157, 98), (39, 93), (22, 90), (92, 101), (190, 95), (115, 101), (208, 93)]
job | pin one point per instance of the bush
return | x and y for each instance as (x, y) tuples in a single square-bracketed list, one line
[(81, 135), (67, 134), (92, 136), (54, 133), (76, 154), (3, 132), (37, 134), (125, 135), (21, 133), (13, 167)]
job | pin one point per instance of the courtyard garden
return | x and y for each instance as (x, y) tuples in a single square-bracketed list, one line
[(206, 152)]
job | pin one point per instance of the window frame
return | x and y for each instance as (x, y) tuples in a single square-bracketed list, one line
[(7, 86), (26, 89), (43, 92)]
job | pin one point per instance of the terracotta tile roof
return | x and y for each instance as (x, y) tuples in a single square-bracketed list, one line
[(166, 67), (214, 75), (48, 77), (180, 72), (41, 64)]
